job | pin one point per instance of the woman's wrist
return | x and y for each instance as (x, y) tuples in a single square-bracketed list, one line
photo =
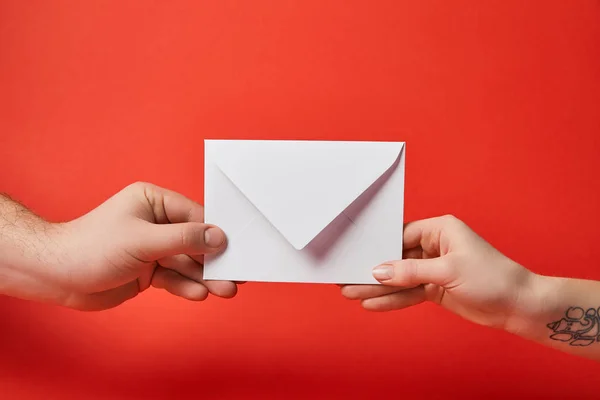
[(537, 303)]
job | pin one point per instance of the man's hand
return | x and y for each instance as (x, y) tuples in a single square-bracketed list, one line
[(143, 236), (447, 263)]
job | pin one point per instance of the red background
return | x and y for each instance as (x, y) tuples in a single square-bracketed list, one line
[(498, 103)]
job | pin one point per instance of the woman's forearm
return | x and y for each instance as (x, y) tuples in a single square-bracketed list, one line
[(561, 313)]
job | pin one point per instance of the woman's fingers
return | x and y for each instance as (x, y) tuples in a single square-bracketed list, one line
[(360, 292), (414, 272), (415, 252), (396, 301)]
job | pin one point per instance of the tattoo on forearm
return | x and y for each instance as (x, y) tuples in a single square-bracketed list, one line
[(577, 327)]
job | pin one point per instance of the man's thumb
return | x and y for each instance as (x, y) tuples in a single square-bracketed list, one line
[(191, 238)]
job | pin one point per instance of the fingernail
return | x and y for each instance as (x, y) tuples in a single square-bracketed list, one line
[(214, 237), (383, 272)]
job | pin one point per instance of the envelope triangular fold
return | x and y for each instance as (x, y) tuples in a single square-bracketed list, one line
[(302, 186)]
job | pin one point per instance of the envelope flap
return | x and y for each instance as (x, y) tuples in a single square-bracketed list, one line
[(301, 186)]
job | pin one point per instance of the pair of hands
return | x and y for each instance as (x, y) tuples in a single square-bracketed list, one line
[(149, 236)]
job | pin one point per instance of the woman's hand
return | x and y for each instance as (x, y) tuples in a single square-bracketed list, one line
[(447, 263)]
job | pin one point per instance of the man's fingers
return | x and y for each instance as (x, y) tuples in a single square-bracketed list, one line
[(396, 301), (178, 285), (172, 207), (183, 265), (102, 300), (414, 272), (361, 292), (192, 238), (189, 268), (225, 289)]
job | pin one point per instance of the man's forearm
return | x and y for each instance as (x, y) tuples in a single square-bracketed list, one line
[(25, 242), (562, 313)]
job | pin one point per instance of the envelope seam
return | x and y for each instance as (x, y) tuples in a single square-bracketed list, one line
[(239, 232), (351, 220)]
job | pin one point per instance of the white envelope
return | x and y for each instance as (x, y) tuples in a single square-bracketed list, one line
[(304, 211)]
